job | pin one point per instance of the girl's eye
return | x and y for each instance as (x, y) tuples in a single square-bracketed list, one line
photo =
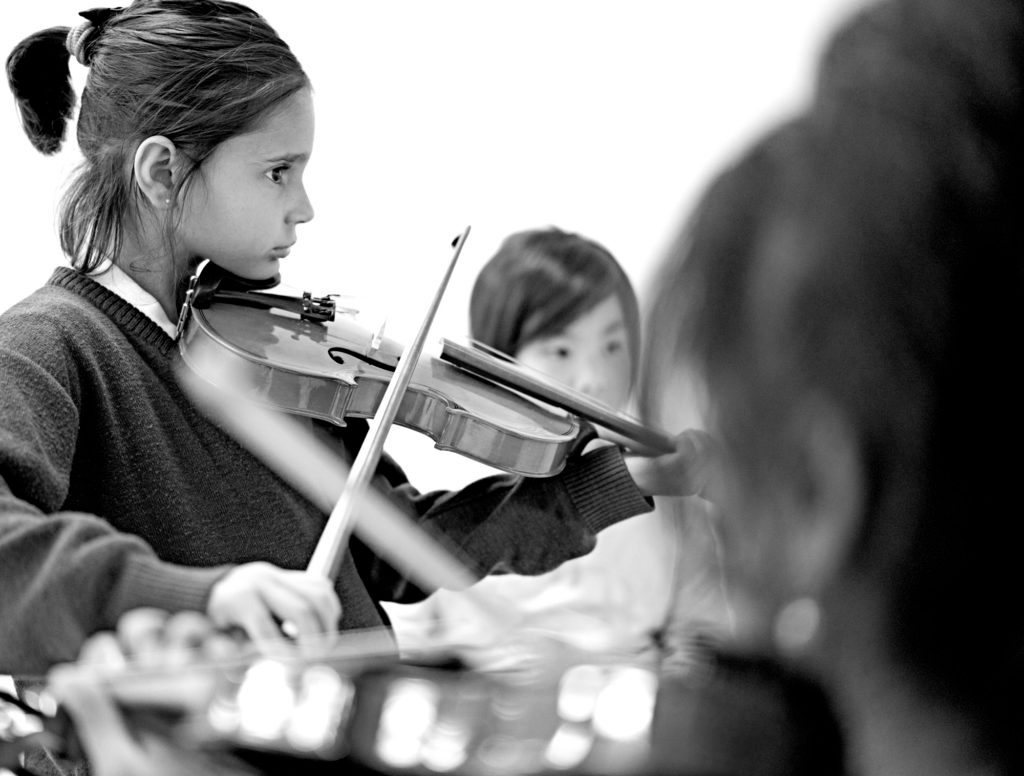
[(276, 175), (614, 347), (559, 351)]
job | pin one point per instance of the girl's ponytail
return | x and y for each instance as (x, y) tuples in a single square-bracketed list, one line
[(39, 77)]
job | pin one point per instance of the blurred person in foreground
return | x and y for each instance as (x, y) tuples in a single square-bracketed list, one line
[(841, 297)]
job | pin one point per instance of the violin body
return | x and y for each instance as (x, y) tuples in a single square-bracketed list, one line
[(328, 366)]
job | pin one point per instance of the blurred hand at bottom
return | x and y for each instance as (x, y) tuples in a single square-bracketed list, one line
[(109, 740)]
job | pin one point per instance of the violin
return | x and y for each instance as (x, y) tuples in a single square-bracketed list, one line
[(305, 356)]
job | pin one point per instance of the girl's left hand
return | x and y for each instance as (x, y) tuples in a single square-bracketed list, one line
[(690, 470)]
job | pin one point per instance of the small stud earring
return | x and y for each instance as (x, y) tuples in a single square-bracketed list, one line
[(796, 625)]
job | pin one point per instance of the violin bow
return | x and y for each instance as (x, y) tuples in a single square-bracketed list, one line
[(327, 556)]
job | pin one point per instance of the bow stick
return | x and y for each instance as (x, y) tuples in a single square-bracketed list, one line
[(327, 555)]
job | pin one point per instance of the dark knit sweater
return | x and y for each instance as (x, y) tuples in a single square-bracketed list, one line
[(115, 492)]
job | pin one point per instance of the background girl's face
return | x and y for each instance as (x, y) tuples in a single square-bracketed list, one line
[(241, 212), (591, 355)]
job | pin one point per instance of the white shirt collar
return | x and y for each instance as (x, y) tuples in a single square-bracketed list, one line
[(116, 280)]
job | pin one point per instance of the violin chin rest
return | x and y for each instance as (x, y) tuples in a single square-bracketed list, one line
[(227, 281)]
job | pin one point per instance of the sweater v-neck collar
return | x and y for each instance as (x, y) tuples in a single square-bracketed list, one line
[(115, 279), (118, 309)]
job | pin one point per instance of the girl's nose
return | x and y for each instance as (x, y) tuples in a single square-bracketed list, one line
[(591, 381), (303, 210)]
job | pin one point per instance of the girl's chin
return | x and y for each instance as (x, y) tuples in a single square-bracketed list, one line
[(264, 270)]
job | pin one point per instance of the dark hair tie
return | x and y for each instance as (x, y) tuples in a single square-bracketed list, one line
[(86, 32)]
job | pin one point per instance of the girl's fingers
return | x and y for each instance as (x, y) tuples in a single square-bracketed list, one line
[(103, 651), (141, 633), (262, 599), (259, 624), (292, 607), (323, 598), (185, 636), (188, 629), (223, 646), (319, 596)]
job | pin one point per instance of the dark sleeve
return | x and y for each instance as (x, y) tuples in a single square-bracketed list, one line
[(63, 574), (508, 523)]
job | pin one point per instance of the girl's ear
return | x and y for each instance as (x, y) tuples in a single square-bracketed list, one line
[(154, 170), (832, 494)]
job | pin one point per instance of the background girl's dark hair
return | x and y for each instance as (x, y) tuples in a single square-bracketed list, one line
[(195, 71), (539, 282)]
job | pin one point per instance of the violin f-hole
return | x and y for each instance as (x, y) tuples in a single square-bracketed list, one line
[(336, 356)]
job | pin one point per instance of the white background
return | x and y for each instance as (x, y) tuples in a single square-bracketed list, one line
[(601, 117)]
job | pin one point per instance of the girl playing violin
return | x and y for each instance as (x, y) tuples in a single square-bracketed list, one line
[(196, 126), (560, 303)]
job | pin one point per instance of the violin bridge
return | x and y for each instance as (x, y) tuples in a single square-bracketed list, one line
[(378, 336)]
